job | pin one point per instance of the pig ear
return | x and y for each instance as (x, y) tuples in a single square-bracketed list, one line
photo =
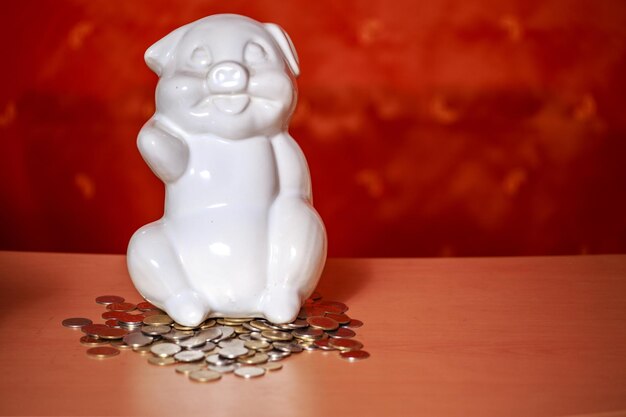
[(286, 46), (158, 55)]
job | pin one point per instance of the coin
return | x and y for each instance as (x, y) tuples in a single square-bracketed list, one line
[(113, 315), (177, 335), (92, 341), (208, 323), (188, 368), (354, 355), (204, 375), (121, 307), (223, 369), (143, 350), (134, 319), (259, 325), (119, 344), (155, 330), (164, 350), (102, 352), (323, 344), (160, 361), (192, 342), (189, 356), (216, 359), (76, 322), (272, 366), (109, 299), (144, 306), (226, 332), (255, 359), (231, 343), (137, 339), (277, 355), (339, 318), (256, 344), (345, 344), (210, 334), (354, 324), (342, 333), (110, 333), (233, 352), (333, 306), (158, 320), (250, 372), (276, 335), (309, 333), (324, 323)]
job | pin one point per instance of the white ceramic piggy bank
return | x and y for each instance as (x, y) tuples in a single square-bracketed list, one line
[(239, 236)]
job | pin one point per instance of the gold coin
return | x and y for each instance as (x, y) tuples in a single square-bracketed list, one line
[(102, 352), (120, 345), (208, 324), (92, 341), (237, 320), (255, 359), (276, 335), (260, 325), (241, 330), (189, 368), (204, 375), (156, 360), (181, 327), (143, 350), (158, 320), (257, 344), (272, 366)]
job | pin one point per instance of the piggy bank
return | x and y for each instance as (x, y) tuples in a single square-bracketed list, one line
[(239, 236)]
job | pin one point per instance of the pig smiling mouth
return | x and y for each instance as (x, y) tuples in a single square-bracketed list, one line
[(226, 103)]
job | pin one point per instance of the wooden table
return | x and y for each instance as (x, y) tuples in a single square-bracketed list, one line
[(448, 337)]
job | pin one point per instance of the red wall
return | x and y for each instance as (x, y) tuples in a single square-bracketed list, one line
[(441, 127)]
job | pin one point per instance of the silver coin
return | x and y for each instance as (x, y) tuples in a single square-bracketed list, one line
[(189, 356), (137, 339), (176, 335), (287, 347), (216, 359), (155, 330), (277, 355), (233, 352), (226, 332), (164, 350), (250, 371), (192, 342), (298, 324), (224, 369), (309, 333), (231, 343), (76, 322), (245, 337), (207, 347), (259, 336), (210, 334), (272, 366)]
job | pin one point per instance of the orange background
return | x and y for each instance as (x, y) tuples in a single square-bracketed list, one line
[(433, 128)]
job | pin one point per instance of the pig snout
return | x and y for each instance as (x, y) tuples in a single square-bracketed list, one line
[(228, 77)]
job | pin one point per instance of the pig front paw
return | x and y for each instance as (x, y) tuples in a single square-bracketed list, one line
[(281, 306), (186, 308)]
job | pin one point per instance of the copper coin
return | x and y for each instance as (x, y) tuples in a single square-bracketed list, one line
[(323, 344), (354, 355), (91, 341), (346, 344), (109, 299), (324, 323), (112, 323), (102, 352), (143, 306), (333, 306), (342, 333), (76, 322), (111, 333), (311, 311), (354, 324), (108, 315), (339, 318), (121, 307), (92, 329), (127, 318)]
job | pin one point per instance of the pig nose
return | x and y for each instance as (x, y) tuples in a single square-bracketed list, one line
[(228, 77)]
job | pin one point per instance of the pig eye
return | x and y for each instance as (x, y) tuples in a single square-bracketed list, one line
[(254, 53), (200, 58)]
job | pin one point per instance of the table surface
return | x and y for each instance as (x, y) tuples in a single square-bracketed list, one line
[(541, 336)]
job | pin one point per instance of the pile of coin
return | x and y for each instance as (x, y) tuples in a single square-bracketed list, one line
[(246, 347)]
